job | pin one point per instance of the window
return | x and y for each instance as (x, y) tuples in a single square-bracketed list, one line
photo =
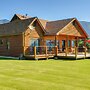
[(73, 43), (69, 43), (34, 42), (63, 43), (1, 42), (50, 42)]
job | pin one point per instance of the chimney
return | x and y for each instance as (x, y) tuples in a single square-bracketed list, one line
[(26, 14)]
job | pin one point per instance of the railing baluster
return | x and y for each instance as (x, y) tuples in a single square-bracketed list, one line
[(56, 50), (66, 51)]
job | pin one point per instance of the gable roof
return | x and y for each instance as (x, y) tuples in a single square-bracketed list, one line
[(20, 17), (23, 17), (53, 27), (15, 27)]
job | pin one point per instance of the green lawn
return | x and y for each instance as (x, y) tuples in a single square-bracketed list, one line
[(45, 75)]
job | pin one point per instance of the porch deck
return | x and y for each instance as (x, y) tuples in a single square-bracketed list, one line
[(43, 56), (60, 56), (54, 53), (72, 56)]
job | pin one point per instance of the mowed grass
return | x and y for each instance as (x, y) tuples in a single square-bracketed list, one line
[(45, 75)]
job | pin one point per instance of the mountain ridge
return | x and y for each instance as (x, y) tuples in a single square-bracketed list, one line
[(86, 26), (2, 21)]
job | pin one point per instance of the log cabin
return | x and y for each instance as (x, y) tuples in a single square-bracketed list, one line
[(23, 32)]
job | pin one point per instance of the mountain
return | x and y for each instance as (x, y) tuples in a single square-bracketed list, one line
[(86, 26), (4, 21)]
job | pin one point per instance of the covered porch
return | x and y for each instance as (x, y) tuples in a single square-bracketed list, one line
[(45, 52), (64, 41), (60, 46)]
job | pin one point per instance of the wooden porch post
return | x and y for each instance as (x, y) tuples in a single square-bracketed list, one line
[(66, 45), (60, 43), (24, 52), (56, 50), (85, 47), (85, 51), (75, 52), (76, 41), (46, 49), (46, 52), (70, 45), (56, 47), (66, 51), (35, 52), (55, 40)]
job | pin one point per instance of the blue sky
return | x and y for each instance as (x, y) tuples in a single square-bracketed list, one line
[(46, 9)]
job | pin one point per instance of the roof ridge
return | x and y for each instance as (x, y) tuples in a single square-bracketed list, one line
[(43, 19), (18, 21), (62, 19), (21, 15)]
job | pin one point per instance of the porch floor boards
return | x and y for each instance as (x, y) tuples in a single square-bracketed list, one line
[(42, 56), (72, 56), (60, 55)]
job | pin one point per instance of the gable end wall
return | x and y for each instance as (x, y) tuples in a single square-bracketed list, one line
[(72, 30)]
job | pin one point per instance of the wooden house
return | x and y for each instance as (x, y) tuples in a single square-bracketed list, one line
[(23, 32)]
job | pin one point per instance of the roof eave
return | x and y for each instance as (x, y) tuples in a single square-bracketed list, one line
[(82, 28)]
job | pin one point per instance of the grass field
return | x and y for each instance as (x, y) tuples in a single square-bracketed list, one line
[(45, 75)]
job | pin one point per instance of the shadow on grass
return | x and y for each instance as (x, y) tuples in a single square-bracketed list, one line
[(59, 59), (69, 59), (64, 59), (8, 58)]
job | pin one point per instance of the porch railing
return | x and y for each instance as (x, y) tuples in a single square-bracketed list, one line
[(55, 51)]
